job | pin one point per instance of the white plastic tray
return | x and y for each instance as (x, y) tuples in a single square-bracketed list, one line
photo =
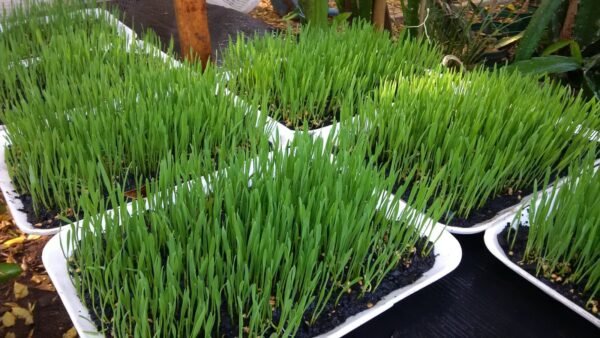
[(493, 245), (55, 255), (448, 255), (483, 226), (286, 135)]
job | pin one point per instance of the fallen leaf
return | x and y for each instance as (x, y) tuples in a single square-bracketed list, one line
[(46, 286), (16, 240), (21, 290), (8, 319), (22, 313), (37, 279), (72, 333), (33, 237)]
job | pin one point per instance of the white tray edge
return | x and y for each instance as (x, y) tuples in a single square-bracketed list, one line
[(491, 242)]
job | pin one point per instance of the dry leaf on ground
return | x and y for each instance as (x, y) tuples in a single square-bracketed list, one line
[(24, 314), (21, 290), (14, 241), (8, 319), (72, 333)]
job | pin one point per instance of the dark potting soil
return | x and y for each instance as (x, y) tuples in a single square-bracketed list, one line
[(490, 209), (44, 218), (312, 125), (508, 198), (502, 201), (331, 114), (572, 291), (53, 218), (331, 317)]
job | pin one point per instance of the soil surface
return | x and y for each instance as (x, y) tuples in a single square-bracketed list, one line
[(53, 218), (350, 304), (573, 292), (491, 208), (327, 120), (31, 299), (45, 218)]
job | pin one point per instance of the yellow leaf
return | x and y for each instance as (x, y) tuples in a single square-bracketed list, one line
[(10, 335), (72, 333), (22, 313), (16, 240), (511, 7), (33, 237), (8, 319), (21, 290)]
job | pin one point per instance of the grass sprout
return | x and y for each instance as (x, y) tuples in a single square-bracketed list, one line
[(265, 247), (302, 80), (485, 133), (108, 109), (564, 229)]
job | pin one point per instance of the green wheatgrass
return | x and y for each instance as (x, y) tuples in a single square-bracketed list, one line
[(26, 30), (300, 230), (481, 133), (59, 37), (107, 108), (564, 229), (303, 79)]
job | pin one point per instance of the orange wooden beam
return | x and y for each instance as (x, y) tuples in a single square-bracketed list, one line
[(192, 24), (378, 16)]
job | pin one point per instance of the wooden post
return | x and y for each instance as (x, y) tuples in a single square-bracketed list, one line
[(566, 33), (379, 14), (192, 24)]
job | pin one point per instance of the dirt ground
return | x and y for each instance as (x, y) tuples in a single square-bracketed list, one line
[(29, 305)]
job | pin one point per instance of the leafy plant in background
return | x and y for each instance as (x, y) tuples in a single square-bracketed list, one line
[(8, 272), (579, 30), (359, 9), (411, 11), (314, 12), (473, 33)]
